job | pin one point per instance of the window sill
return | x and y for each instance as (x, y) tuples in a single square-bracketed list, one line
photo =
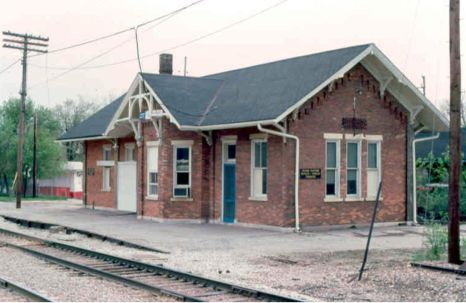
[(153, 198), (372, 199), (106, 163), (175, 199), (106, 190), (257, 198), (333, 199), (355, 199)]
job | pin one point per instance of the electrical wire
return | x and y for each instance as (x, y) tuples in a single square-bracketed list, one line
[(182, 44), (68, 70), (9, 66), (121, 31)]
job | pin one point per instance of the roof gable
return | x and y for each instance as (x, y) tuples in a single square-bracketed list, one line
[(95, 125)]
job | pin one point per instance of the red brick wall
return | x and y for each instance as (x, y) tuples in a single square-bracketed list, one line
[(95, 195), (166, 206), (322, 114)]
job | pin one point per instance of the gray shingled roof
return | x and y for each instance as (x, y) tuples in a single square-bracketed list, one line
[(95, 125), (256, 93)]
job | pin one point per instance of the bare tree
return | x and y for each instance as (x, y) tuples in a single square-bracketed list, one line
[(69, 114)]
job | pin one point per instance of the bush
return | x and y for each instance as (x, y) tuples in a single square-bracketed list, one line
[(435, 243)]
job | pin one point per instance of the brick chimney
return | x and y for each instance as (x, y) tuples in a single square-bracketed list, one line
[(166, 64)]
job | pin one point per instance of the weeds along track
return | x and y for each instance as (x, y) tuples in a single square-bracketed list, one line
[(154, 278)]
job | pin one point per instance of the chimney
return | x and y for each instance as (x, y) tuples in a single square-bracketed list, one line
[(166, 64)]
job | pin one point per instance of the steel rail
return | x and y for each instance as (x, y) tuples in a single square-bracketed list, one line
[(155, 269), (30, 294), (457, 271), (46, 226), (101, 273)]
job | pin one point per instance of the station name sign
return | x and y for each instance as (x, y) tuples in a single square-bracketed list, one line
[(354, 123), (310, 173)]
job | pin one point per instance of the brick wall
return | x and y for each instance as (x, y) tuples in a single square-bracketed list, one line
[(322, 114), (95, 194)]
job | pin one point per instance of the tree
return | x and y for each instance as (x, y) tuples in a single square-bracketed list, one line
[(69, 114), (50, 153)]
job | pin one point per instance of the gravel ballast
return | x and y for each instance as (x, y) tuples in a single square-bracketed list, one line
[(61, 284), (307, 275)]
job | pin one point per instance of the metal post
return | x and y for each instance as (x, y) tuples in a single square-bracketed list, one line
[(455, 135), (374, 213)]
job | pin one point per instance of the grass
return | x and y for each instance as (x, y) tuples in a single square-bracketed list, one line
[(435, 244), (39, 198)]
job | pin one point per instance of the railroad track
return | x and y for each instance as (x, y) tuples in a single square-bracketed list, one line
[(12, 292), (155, 278)]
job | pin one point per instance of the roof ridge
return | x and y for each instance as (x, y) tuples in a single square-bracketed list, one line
[(212, 76)]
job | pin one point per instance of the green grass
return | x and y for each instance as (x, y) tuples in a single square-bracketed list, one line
[(39, 198)]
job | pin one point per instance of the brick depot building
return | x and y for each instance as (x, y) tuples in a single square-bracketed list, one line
[(299, 142)]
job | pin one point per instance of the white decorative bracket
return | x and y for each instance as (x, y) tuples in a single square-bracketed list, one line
[(207, 137), (384, 85), (414, 112)]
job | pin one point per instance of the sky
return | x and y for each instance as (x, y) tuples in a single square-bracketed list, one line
[(412, 33)]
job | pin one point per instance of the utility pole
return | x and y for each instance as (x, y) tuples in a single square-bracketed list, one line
[(455, 135), (34, 157), (22, 42)]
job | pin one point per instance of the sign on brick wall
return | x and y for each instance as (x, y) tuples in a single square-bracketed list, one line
[(354, 123), (310, 173)]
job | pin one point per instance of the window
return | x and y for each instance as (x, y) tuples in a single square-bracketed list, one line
[(332, 169), (259, 159), (105, 178), (373, 169), (230, 152), (353, 169), (182, 172), (107, 155), (152, 169), (129, 152)]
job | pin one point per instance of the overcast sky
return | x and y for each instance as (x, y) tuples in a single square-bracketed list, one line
[(412, 33)]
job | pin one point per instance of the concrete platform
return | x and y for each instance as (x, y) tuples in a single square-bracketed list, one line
[(170, 236)]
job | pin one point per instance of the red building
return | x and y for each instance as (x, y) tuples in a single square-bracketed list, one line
[(298, 142)]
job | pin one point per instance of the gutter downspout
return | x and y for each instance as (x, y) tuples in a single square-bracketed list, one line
[(414, 169), (296, 184)]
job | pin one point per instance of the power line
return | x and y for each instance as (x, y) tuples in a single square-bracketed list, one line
[(161, 19), (9, 66), (182, 44), (123, 30)]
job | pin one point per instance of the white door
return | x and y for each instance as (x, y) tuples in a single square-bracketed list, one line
[(127, 186)]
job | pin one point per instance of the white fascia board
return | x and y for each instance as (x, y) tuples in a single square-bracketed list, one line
[(395, 71), (335, 76), (84, 139), (226, 126), (159, 101), (123, 104)]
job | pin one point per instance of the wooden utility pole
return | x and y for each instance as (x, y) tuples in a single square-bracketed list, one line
[(22, 42), (34, 157), (455, 135)]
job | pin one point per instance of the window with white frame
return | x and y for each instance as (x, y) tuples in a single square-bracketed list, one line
[(152, 169), (259, 160), (130, 152), (107, 153), (353, 162), (105, 178), (332, 168), (182, 172), (373, 168)]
